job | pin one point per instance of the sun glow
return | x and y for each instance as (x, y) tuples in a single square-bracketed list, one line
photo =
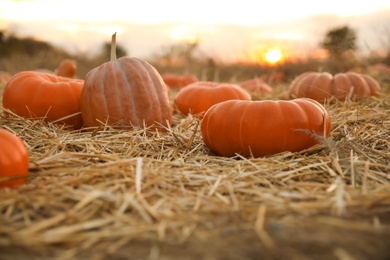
[(273, 55), (267, 55)]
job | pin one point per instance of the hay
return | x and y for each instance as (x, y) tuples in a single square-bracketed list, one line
[(134, 194)]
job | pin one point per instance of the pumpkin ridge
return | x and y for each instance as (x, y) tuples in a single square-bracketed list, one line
[(281, 108), (95, 100), (158, 92), (304, 109), (134, 91), (103, 93), (121, 89), (317, 90), (295, 86), (318, 107), (205, 124), (148, 90), (362, 88), (240, 130), (373, 85), (124, 110), (278, 113)]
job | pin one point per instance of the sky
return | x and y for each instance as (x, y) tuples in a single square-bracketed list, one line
[(226, 30)]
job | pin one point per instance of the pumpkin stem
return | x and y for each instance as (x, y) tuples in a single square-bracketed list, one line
[(113, 47)]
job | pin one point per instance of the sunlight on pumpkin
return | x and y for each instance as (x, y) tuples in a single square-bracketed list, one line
[(273, 55)]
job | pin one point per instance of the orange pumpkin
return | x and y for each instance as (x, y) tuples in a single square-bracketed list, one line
[(379, 69), (13, 160), (173, 80), (35, 94), (125, 92), (260, 128), (197, 97), (274, 77), (67, 68), (322, 85), (255, 85)]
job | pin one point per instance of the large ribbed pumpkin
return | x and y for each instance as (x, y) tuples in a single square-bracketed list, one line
[(125, 92), (259, 128), (323, 85)]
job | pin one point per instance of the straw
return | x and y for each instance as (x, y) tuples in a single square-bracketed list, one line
[(137, 194)]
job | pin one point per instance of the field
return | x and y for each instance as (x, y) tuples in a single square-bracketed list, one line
[(135, 194)]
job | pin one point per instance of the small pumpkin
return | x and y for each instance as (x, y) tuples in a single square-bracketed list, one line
[(255, 85), (36, 94), (275, 77), (67, 68), (197, 97), (260, 128), (14, 160), (174, 80), (379, 69), (125, 92), (323, 85)]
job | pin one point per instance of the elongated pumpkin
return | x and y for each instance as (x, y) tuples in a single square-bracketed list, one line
[(260, 128), (323, 85), (125, 92), (197, 97), (32, 94), (14, 160)]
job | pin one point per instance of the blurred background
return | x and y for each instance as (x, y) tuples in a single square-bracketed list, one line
[(215, 40)]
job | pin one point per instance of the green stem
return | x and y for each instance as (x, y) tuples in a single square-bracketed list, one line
[(113, 47)]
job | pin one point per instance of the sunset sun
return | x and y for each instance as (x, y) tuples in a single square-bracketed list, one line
[(270, 55), (273, 55)]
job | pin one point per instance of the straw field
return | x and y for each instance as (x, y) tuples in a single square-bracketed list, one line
[(135, 194)]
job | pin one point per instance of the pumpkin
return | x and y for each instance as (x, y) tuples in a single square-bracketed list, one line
[(260, 128), (35, 94), (125, 92), (379, 69), (197, 97), (67, 68), (323, 85), (274, 77), (255, 85), (14, 160), (173, 80)]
